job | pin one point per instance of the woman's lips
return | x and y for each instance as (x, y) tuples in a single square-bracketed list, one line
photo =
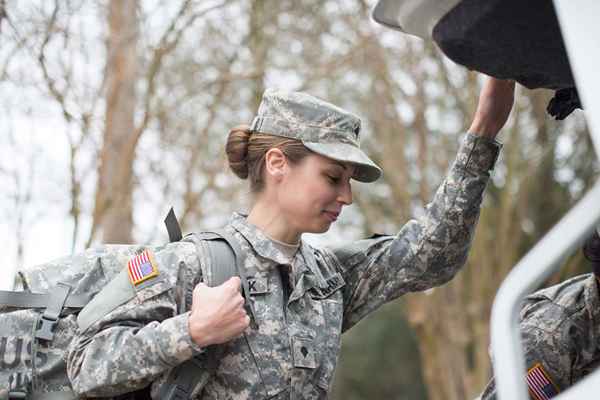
[(331, 215)]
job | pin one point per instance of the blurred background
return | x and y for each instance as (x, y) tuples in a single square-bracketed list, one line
[(113, 111)]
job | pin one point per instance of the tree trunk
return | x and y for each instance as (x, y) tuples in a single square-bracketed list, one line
[(113, 207), (258, 44)]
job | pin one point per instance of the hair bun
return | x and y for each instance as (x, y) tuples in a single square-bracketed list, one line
[(237, 150)]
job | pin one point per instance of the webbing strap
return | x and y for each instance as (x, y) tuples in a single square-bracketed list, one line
[(40, 300), (173, 228), (62, 395), (55, 306)]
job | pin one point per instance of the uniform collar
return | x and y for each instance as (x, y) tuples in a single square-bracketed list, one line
[(261, 244)]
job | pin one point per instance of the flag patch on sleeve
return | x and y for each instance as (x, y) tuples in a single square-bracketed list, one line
[(540, 385), (142, 267)]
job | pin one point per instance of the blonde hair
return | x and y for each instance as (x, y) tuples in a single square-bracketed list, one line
[(246, 153)]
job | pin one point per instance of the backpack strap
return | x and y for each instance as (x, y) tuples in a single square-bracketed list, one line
[(173, 228), (226, 259), (13, 299), (62, 395), (47, 323)]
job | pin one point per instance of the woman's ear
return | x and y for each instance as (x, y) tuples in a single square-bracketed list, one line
[(275, 163)]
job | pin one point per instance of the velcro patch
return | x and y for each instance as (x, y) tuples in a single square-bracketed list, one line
[(303, 352), (142, 267), (333, 283), (540, 385), (258, 285)]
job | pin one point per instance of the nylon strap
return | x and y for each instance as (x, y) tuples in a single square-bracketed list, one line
[(40, 300), (63, 395), (173, 227)]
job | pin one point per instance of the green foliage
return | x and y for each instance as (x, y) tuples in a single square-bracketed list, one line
[(380, 359)]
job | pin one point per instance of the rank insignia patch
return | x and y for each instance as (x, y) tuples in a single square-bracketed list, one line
[(540, 385), (142, 267)]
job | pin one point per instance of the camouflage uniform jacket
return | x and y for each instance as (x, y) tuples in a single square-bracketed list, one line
[(294, 351), (560, 327)]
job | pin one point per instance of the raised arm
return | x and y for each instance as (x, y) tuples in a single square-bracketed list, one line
[(430, 250)]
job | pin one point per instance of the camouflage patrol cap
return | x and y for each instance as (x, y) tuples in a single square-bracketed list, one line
[(322, 127)]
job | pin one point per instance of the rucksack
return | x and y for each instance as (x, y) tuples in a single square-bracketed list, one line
[(38, 322)]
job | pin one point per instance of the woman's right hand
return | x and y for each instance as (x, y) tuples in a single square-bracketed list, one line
[(495, 103), (218, 313)]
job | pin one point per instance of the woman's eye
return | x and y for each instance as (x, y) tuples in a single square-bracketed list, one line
[(333, 179)]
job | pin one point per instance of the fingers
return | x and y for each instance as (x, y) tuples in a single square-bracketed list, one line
[(234, 283)]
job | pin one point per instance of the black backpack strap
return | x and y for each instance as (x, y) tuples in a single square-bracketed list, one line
[(173, 227), (191, 376)]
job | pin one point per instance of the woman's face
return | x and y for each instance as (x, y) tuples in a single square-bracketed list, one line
[(312, 193)]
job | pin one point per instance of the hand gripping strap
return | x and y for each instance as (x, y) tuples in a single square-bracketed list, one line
[(226, 260)]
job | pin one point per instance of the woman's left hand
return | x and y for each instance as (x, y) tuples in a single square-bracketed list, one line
[(495, 103)]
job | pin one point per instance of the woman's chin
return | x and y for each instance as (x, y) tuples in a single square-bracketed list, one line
[(319, 228)]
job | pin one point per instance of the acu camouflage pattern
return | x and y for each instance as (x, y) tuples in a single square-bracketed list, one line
[(302, 307), (322, 127), (560, 327), (87, 272)]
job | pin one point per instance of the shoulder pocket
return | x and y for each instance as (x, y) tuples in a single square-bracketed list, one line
[(352, 254), (116, 293)]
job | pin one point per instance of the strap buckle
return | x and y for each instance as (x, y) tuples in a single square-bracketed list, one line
[(46, 328)]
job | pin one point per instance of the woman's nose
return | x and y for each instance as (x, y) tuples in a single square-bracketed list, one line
[(345, 195)]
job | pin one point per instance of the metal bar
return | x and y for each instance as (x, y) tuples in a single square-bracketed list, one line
[(528, 274), (586, 388), (580, 30)]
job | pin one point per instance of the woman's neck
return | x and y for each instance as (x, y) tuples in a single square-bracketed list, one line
[(268, 218)]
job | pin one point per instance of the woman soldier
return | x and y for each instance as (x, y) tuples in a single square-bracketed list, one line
[(300, 155)]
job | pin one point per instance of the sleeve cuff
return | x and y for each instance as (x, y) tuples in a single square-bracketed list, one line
[(478, 154), (179, 346)]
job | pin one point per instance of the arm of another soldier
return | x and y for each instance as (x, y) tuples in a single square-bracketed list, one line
[(550, 355), (136, 342), (428, 251)]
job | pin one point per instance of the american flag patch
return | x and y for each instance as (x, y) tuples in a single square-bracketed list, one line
[(142, 267), (540, 385)]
